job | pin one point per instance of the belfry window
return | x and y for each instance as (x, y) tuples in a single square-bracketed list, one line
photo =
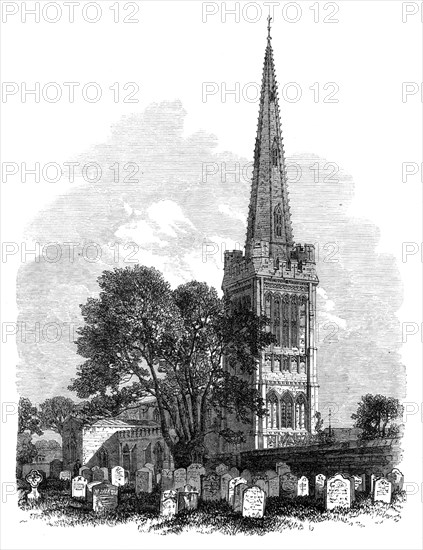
[(278, 221)]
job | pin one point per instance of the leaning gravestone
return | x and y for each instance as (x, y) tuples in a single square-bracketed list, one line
[(187, 499), (79, 487), (143, 481), (224, 486), (254, 503), (179, 479), (210, 487), (319, 486), (105, 473), (118, 476), (34, 478), (382, 490), (194, 473), (246, 474), (302, 487), (396, 477), (166, 479), (105, 497), (65, 475), (288, 485), (231, 488), (338, 492), (221, 469), (234, 472), (169, 503), (56, 466), (238, 496), (89, 490)]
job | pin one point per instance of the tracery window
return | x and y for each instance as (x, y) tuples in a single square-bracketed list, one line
[(277, 321), (285, 322), (278, 221), (300, 407), (287, 406), (294, 322), (273, 413)]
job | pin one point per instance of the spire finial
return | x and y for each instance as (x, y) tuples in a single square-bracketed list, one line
[(269, 19)]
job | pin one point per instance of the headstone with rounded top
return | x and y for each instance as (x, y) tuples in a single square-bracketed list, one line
[(118, 476), (253, 503), (234, 472), (34, 478), (143, 481), (224, 486), (382, 490), (179, 478), (210, 487), (246, 474), (338, 492), (194, 473), (221, 469), (79, 487), (231, 488), (396, 477), (56, 466), (263, 484), (238, 496), (288, 485), (87, 473), (319, 486), (303, 487)]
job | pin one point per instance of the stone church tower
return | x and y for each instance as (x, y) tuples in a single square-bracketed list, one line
[(277, 277)]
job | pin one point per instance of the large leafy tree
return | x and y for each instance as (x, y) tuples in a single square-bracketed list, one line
[(375, 415), (187, 348), (28, 418), (54, 411)]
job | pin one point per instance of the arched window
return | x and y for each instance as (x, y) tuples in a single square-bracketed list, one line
[(273, 415), (287, 406), (103, 458), (158, 456), (275, 153), (267, 309), (278, 221), (285, 322), (277, 321), (294, 322), (300, 407), (156, 415), (126, 457)]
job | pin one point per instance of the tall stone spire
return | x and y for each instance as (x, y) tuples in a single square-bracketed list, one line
[(269, 218)]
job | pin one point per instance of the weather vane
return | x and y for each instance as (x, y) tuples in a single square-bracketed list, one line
[(269, 19)]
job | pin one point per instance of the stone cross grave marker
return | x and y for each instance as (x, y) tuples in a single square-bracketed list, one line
[(166, 479), (143, 481), (231, 488), (210, 489), (169, 503), (302, 487), (319, 486), (288, 485), (79, 487), (382, 490), (105, 497), (338, 492), (194, 473), (396, 477), (118, 476), (254, 503), (238, 496), (34, 478), (179, 479), (224, 486)]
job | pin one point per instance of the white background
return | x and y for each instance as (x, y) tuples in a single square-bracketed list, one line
[(170, 52)]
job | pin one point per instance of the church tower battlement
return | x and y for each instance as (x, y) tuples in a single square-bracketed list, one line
[(277, 278)]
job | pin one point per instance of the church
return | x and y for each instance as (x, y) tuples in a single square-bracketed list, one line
[(276, 277)]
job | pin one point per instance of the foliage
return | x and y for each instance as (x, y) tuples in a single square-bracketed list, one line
[(28, 418), (187, 348), (48, 445), (54, 411), (26, 451), (375, 414)]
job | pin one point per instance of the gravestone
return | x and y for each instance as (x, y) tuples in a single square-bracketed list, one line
[(234, 472), (274, 487), (105, 473), (79, 487), (89, 490), (169, 503), (373, 478), (319, 486), (143, 481), (150, 467), (288, 485), (105, 497), (382, 490), (65, 475), (166, 479), (194, 473), (263, 484), (56, 466), (179, 478), (34, 478), (210, 487), (246, 474), (118, 476), (338, 492), (238, 496), (98, 475), (396, 477), (224, 486), (270, 474), (254, 503), (282, 468), (231, 488), (302, 487), (188, 499), (86, 473), (358, 482), (222, 469)]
